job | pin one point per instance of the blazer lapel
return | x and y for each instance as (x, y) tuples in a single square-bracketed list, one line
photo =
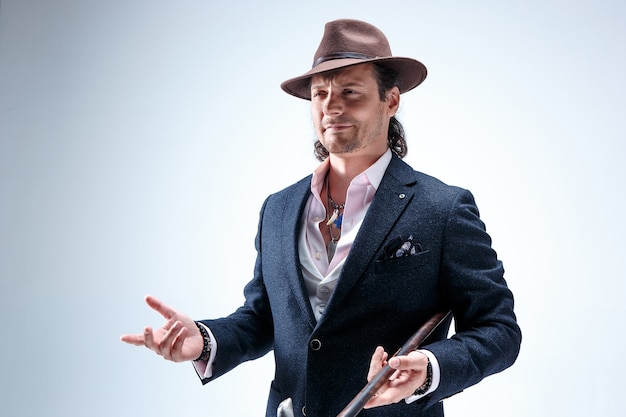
[(394, 193), (292, 214)]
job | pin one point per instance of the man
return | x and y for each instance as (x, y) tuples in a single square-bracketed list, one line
[(353, 259)]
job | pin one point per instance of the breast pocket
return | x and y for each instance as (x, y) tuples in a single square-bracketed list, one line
[(399, 265), (404, 284)]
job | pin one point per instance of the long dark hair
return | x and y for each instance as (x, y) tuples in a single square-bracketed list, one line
[(386, 79)]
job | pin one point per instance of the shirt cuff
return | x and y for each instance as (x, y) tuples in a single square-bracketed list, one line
[(205, 369), (436, 376)]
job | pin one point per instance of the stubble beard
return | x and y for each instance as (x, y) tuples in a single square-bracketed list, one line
[(349, 142)]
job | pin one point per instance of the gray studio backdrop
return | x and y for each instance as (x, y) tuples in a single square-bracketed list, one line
[(138, 140)]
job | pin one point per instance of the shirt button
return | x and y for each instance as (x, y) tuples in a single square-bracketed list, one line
[(321, 308), (318, 256), (316, 219), (324, 290)]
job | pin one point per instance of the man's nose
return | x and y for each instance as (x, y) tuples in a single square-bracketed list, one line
[(332, 104)]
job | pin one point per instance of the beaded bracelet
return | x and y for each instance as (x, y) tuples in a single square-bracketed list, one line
[(206, 348), (429, 380)]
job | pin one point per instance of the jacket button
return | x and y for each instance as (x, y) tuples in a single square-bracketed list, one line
[(304, 410), (315, 344)]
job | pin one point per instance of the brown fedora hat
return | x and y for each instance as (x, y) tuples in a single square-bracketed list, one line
[(349, 42)]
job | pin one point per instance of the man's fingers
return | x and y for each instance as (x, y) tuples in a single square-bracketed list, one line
[(389, 396), (133, 339), (168, 341), (177, 345), (375, 401), (414, 360), (160, 307), (148, 339), (378, 361), (400, 384)]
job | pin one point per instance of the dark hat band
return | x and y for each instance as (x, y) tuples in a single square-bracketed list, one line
[(341, 55)]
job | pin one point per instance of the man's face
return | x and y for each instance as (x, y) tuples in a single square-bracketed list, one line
[(348, 114)]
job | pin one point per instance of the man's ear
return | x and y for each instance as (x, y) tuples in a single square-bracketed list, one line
[(392, 98)]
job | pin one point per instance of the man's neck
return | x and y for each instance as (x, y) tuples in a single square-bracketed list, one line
[(343, 168)]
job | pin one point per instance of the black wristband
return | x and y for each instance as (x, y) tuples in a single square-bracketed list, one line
[(206, 348), (429, 380)]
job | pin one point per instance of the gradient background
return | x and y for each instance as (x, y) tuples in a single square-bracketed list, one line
[(138, 140)]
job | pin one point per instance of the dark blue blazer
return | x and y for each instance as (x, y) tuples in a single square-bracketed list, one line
[(377, 301)]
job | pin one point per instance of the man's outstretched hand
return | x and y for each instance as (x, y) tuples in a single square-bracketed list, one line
[(178, 340)]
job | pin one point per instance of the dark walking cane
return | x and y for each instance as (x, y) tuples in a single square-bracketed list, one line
[(285, 408)]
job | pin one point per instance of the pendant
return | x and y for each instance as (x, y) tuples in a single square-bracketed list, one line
[(331, 248), (333, 217), (337, 222)]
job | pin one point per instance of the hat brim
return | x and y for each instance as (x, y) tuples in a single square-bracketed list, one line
[(410, 71)]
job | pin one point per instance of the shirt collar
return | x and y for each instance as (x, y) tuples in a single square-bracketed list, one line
[(372, 175)]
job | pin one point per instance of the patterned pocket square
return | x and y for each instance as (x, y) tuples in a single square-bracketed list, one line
[(401, 247)]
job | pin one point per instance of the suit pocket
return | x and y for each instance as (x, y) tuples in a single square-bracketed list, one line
[(402, 265), (401, 286)]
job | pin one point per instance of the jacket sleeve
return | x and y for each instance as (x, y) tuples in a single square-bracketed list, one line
[(487, 338)]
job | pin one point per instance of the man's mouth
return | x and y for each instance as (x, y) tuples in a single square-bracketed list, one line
[(337, 126)]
